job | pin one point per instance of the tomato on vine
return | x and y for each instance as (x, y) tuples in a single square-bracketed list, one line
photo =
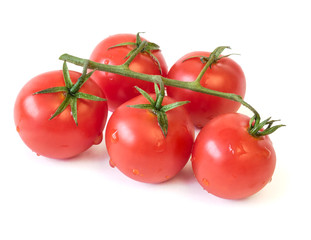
[(233, 157), (223, 75), (60, 114), (149, 142), (115, 50)]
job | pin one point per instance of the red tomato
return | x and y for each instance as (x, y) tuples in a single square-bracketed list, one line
[(137, 146), (230, 163), (225, 76), (119, 89), (59, 137)]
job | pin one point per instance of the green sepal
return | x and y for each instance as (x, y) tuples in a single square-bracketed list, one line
[(256, 128), (162, 121), (86, 77), (141, 106), (215, 54), (122, 44), (62, 106), (130, 53), (147, 49), (201, 57), (89, 97), (156, 106), (173, 105), (68, 82), (156, 89), (156, 60), (219, 50), (270, 130), (81, 80), (152, 47), (74, 111), (146, 95), (138, 38), (52, 90), (71, 91)]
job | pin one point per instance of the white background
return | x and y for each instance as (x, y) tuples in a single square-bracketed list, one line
[(85, 198)]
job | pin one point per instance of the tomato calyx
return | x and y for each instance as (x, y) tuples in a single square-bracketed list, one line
[(258, 129), (213, 57), (156, 107), (71, 92), (148, 48), (209, 61)]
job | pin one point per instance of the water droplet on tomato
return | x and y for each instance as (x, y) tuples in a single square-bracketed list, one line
[(38, 154), (160, 145), (98, 139), (135, 172), (17, 129), (231, 149), (114, 137), (205, 182), (106, 61), (111, 163)]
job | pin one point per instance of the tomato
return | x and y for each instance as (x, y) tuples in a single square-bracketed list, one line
[(225, 76), (137, 147), (119, 89), (60, 137), (230, 163)]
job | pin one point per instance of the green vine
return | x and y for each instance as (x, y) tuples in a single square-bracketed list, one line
[(255, 124)]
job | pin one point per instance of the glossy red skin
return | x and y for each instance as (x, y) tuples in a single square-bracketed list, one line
[(119, 89), (58, 138), (224, 76), (138, 148), (230, 163)]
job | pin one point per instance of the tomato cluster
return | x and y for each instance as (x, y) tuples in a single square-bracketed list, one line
[(149, 137)]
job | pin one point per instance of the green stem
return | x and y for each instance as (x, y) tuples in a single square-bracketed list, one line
[(161, 94), (213, 58), (210, 61), (75, 88), (125, 71), (135, 53)]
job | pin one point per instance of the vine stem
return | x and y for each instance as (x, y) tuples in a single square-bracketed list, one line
[(135, 53), (125, 71)]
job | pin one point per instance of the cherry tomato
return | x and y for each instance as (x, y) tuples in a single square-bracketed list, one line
[(137, 146), (225, 76), (59, 137), (119, 89), (230, 163)]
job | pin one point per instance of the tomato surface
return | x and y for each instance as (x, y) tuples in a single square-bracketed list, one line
[(137, 146), (225, 76), (119, 89), (230, 163), (60, 137)]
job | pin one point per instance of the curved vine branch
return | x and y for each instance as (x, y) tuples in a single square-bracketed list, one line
[(194, 86)]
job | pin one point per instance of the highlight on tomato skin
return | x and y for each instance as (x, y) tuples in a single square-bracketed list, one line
[(138, 148), (230, 163), (60, 137), (225, 76), (119, 89)]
